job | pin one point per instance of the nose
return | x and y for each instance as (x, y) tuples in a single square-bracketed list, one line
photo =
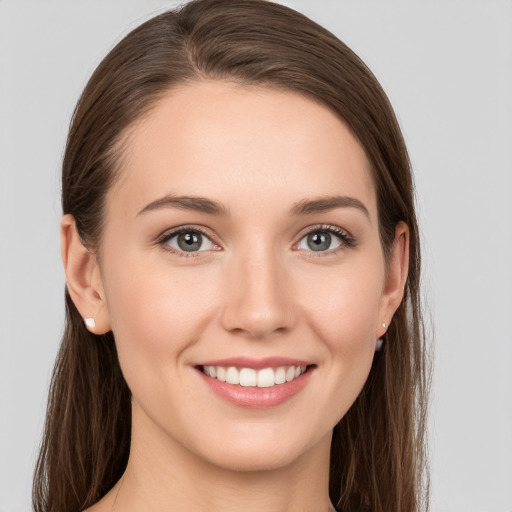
[(258, 301)]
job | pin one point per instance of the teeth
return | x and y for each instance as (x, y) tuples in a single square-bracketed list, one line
[(280, 377), (249, 377), (232, 375), (266, 378), (221, 373)]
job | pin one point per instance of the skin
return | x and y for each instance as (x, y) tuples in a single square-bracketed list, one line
[(256, 289)]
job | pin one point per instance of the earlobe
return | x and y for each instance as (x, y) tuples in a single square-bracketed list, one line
[(396, 276), (83, 278)]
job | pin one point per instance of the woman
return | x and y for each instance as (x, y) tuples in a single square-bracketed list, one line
[(242, 261)]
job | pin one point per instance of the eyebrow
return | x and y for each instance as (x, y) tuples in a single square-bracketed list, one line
[(194, 203), (303, 207), (327, 203)]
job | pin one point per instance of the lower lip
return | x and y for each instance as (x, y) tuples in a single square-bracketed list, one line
[(254, 397)]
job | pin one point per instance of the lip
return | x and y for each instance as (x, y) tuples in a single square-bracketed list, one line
[(256, 363), (254, 397)]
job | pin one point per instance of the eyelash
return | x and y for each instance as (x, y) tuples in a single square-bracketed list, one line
[(347, 240), (162, 241)]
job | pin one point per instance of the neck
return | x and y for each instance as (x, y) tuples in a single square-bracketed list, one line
[(164, 476)]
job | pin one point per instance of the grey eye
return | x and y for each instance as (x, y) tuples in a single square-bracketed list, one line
[(190, 241), (319, 241)]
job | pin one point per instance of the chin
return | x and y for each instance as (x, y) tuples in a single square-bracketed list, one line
[(262, 451)]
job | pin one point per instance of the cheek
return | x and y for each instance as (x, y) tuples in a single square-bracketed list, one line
[(345, 310), (157, 310)]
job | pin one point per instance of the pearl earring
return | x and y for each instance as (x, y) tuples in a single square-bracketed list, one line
[(380, 341), (90, 323)]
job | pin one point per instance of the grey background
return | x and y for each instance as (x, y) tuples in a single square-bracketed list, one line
[(447, 67)]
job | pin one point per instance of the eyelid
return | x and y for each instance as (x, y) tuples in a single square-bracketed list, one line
[(171, 233), (324, 227), (347, 239)]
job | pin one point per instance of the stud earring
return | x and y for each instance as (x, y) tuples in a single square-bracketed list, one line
[(383, 325), (378, 344), (90, 323)]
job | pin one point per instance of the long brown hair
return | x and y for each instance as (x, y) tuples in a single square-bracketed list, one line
[(378, 450)]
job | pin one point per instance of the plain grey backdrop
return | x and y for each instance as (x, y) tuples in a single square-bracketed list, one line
[(447, 68)]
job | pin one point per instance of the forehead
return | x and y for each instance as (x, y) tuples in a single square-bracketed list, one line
[(227, 141)]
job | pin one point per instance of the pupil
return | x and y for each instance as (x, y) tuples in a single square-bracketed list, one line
[(189, 241), (319, 241)]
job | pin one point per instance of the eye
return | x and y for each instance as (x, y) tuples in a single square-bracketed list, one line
[(186, 241), (325, 239)]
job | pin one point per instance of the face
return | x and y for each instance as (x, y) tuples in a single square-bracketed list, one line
[(242, 235)]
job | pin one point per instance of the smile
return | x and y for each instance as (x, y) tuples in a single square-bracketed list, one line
[(256, 383), (250, 377)]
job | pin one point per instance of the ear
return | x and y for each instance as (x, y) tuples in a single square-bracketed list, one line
[(83, 278), (396, 277)]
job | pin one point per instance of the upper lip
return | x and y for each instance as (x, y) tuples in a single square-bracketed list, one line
[(256, 363)]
